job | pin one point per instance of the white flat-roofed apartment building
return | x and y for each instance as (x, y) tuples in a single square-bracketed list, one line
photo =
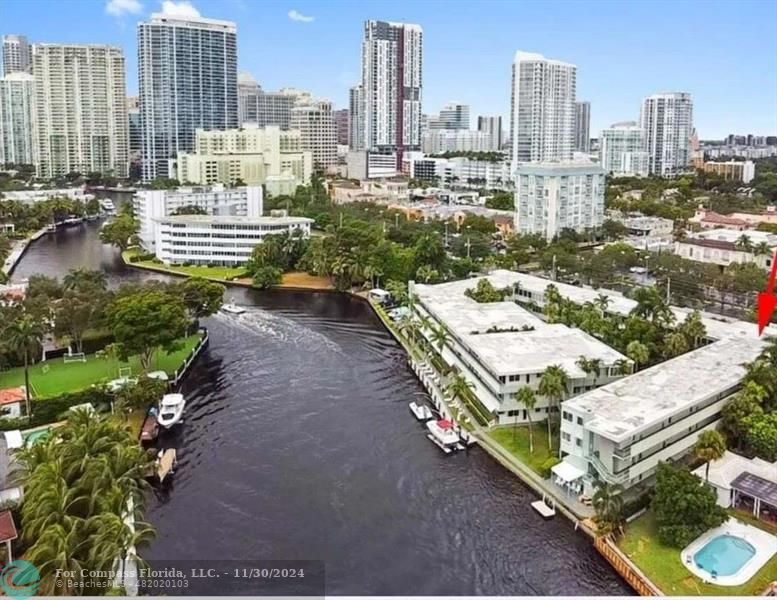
[(218, 240), (621, 431), (461, 171), (500, 347), (150, 205)]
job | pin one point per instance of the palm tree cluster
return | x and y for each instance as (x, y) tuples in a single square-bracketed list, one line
[(608, 504), (84, 486), (554, 384), (647, 335)]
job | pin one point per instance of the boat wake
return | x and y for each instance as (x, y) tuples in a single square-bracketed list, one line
[(282, 329)]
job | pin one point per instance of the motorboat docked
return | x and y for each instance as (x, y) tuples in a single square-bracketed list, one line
[(443, 435), (170, 410), (107, 205), (150, 429), (232, 308), (546, 511), (421, 411)]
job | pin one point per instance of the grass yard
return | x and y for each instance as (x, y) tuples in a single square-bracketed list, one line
[(55, 377), (516, 441), (300, 279), (216, 273), (663, 566)]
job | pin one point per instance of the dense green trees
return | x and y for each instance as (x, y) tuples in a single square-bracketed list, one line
[(684, 507), (120, 232), (484, 292), (501, 201), (143, 321)]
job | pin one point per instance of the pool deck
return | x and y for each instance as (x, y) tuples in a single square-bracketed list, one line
[(765, 545)]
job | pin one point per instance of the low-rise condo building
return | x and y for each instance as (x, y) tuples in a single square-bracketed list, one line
[(734, 170), (218, 240), (150, 205), (619, 432), (500, 347)]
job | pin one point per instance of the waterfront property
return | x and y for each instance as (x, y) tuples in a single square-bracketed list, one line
[(54, 377), (500, 347), (150, 205), (729, 555), (218, 240), (617, 432)]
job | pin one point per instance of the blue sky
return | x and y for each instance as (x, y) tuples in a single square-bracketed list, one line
[(724, 53)]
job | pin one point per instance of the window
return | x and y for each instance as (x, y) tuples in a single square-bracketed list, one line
[(578, 442), (580, 420), (567, 416)]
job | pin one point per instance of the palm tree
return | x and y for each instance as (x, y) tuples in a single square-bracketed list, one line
[(601, 302), (709, 446), (25, 335), (638, 352), (693, 329), (622, 366), (458, 389), (528, 399), (675, 344), (80, 278), (553, 385), (608, 504), (591, 366), (440, 337), (744, 243)]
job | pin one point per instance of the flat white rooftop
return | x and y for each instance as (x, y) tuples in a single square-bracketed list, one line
[(232, 220), (510, 350), (625, 407)]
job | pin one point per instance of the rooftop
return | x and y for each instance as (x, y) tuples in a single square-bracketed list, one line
[(726, 469), (232, 220), (510, 350), (625, 407)]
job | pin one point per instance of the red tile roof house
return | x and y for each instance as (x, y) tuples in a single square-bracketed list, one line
[(11, 401)]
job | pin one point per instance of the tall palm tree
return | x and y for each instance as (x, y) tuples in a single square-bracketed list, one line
[(553, 385), (693, 329), (459, 388), (601, 302), (622, 366), (84, 278), (762, 249), (25, 336), (608, 504), (675, 344), (638, 352), (709, 446), (528, 399)]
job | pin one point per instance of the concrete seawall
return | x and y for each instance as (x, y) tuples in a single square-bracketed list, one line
[(18, 249)]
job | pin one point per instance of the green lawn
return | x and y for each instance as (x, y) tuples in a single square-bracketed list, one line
[(663, 566), (516, 441), (55, 377), (220, 273)]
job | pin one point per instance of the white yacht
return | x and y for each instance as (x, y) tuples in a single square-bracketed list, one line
[(441, 432), (170, 410), (232, 308), (421, 411)]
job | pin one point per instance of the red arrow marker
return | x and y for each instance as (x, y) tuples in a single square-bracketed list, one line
[(767, 301)]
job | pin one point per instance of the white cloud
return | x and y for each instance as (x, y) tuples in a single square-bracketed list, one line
[(295, 15), (119, 8), (184, 8)]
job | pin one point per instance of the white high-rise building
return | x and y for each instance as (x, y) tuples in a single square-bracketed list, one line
[(622, 150), (582, 126), (316, 123), (392, 85), (17, 120), (187, 75), (542, 121), (438, 141), (81, 107), (553, 196), (493, 127), (668, 123), (16, 55)]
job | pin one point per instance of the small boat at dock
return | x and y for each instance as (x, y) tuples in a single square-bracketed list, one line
[(443, 435), (545, 510), (150, 430), (170, 410), (232, 308), (422, 412)]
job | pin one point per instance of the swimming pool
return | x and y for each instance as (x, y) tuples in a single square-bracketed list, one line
[(724, 555)]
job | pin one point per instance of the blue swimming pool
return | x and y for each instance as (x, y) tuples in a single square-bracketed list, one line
[(724, 555)]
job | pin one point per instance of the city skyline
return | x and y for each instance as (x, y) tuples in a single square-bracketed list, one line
[(468, 58)]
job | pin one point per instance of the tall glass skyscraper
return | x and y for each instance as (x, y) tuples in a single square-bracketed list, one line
[(187, 71)]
